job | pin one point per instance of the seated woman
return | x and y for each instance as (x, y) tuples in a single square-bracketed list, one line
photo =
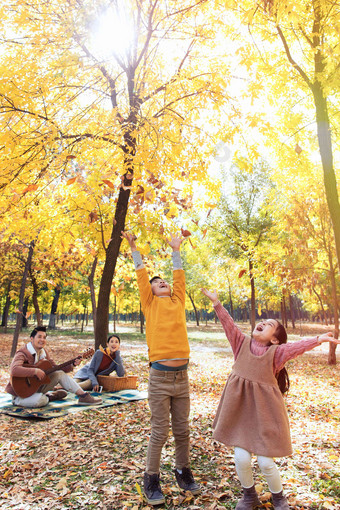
[(104, 362)]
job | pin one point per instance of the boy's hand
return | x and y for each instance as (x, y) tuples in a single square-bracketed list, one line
[(328, 337), (213, 296), (175, 242), (130, 239)]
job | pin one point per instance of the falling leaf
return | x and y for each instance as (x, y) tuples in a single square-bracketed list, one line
[(242, 272), (185, 233), (30, 187), (93, 216), (259, 310), (109, 183), (70, 156), (71, 181), (298, 149)]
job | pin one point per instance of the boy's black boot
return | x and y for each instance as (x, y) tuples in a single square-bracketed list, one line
[(186, 481), (280, 501), (249, 499), (152, 490)]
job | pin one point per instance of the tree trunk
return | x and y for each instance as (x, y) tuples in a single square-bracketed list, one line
[(141, 318), (326, 153), (230, 300), (291, 308), (332, 346), (112, 253), (54, 307), (83, 320), (92, 292), (195, 309), (252, 296), (24, 312), (35, 300), (21, 298), (6, 307), (324, 315)]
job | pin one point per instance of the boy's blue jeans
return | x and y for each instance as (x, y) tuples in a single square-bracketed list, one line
[(168, 395)]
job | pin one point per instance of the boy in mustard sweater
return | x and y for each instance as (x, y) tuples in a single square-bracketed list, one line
[(168, 390)]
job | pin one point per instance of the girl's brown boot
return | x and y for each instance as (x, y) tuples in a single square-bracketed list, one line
[(249, 499), (280, 501)]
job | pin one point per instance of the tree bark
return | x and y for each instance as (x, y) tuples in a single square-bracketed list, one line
[(252, 296), (195, 309), (141, 318), (54, 307), (24, 312), (92, 292), (35, 300), (332, 346), (291, 309), (6, 307), (324, 315), (113, 247), (21, 298), (230, 300)]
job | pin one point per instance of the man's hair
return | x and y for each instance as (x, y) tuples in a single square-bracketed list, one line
[(38, 328), (155, 278)]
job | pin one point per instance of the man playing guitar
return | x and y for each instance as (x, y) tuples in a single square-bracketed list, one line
[(24, 373)]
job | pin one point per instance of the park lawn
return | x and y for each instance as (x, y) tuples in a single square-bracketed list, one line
[(95, 459)]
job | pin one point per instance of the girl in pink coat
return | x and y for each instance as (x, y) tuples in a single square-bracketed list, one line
[(251, 415)]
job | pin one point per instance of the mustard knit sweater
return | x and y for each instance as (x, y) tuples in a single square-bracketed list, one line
[(166, 333)]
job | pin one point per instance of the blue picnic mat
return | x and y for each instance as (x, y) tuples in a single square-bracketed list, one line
[(68, 404)]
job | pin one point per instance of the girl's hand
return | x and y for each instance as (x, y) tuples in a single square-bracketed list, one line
[(328, 337), (130, 239), (96, 388), (175, 242), (213, 296)]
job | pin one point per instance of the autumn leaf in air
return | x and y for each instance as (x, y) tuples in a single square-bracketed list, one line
[(185, 233), (298, 149), (242, 272), (109, 183), (30, 187)]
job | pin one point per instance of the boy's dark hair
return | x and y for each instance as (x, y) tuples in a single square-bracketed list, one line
[(282, 377), (155, 278), (113, 336), (38, 328)]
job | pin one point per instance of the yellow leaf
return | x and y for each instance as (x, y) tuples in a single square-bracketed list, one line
[(71, 181), (62, 483), (259, 311), (139, 490), (109, 183), (31, 187)]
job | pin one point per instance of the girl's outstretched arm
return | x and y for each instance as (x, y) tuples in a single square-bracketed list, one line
[(291, 350), (233, 333)]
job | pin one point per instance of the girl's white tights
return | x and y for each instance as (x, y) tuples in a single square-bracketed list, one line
[(267, 466)]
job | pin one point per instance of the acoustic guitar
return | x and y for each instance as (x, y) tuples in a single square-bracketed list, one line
[(25, 386)]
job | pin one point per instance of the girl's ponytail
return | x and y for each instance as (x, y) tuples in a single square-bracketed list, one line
[(283, 380), (282, 377)]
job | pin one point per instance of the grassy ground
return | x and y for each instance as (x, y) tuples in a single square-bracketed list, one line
[(95, 459)]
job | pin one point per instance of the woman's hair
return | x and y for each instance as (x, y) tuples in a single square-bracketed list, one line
[(282, 377), (113, 336)]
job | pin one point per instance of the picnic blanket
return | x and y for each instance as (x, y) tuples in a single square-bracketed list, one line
[(67, 405)]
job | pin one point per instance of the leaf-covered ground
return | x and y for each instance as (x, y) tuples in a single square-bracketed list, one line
[(95, 459)]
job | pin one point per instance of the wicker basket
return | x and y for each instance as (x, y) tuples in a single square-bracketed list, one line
[(114, 383)]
